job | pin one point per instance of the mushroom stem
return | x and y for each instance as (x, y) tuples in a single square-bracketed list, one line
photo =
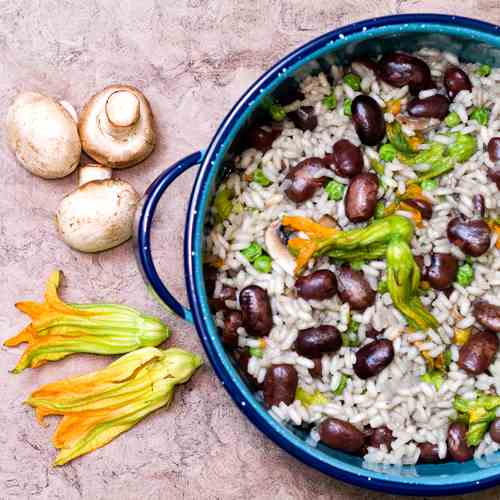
[(120, 115), (277, 250), (93, 172), (70, 109)]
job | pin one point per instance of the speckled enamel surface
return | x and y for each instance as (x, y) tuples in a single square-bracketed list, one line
[(192, 59)]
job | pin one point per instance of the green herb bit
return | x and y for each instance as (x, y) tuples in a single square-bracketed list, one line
[(347, 107), (447, 359), (357, 265), (382, 287), (398, 138), (330, 101), (256, 352), (452, 120), (276, 111), (484, 70), (429, 184), (350, 336), (335, 190), (434, 377), (378, 167), (481, 115), (465, 274), (263, 264), (223, 204), (354, 81), (387, 152), (342, 385), (260, 178), (252, 252), (379, 210), (463, 148), (308, 399)]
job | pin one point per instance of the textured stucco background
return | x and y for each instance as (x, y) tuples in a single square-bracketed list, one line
[(192, 58)]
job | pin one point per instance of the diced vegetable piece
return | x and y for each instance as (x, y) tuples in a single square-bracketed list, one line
[(256, 352), (465, 274), (387, 152), (252, 252), (354, 81), (452, 120), (382, 287), (399, 139), (429, 184), (260, 178), (342, 385), (434, 377), (481, 115), (484, 70), (330, 101), (335, 190), (223, 204), (461, 336), (347, 107), (308, 399), (276, 111), (263, 264), (463, 148)]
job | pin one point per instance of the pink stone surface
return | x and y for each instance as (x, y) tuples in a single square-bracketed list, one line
[(192, 58)]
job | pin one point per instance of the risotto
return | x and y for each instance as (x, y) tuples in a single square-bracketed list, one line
[(352, 261)]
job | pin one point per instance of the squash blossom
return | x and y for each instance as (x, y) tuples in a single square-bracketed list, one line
[(99, 406), (58, 329)]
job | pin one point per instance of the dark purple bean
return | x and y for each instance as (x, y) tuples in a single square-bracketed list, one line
[(304, 182), (262, 137), (456, 80), (494, 149), (479, 204), (420, 263), (232, 321), (442, 271), (318, 340), (372, 333), (256, 311), (347, 159), (494, 176), (368, 119), (304, 118), (319, 285), (457, 443), (435, 106), (423, 206), (317, 370), (280, 385), (488, 315), (478, 352), (327, 221), (495, 430), (353, 287), (399, 69), (219, 303), (361, 198), (379, 436), (242, 359), (210, 274), (373, 358), (341, 435), (471, 236), (429, 453)]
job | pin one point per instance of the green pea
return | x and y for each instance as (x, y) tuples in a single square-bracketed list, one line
[(382, 287), (387, 152), (330, 101), (465, 274), (252, 252), (335, 190), (354, 81), (263, 264), (452, 120), (480, 114), (260, 178), (484, 70), (277, 112), (256, 352), (429, 184), (347, 107), (379, 210)]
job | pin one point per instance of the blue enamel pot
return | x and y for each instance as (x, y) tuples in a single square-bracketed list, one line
[(469, 39)]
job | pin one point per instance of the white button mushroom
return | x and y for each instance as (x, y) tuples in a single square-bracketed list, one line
[(117, 127), (43, 136), (277, 250), (100, 214)]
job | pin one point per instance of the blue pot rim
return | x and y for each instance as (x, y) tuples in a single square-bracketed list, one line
[(429, 485)]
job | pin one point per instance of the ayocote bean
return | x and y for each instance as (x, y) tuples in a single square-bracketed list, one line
[(494, 176), (478, 352), (423, 206), (262, 137), (232, 321), (242, 359), (457, 442), (495, 430), (435, 106), (304, 118), (317, 370), (456, 80), (315, 341), (379, 436), (304, 181), (471, 236), (256, 311), (429, 453), (347, 158), (318, 285), (479, 204), (353, 287), (399, 69), (368, 119), (341, 435), (487, 315), (373, 358), (280, 385), (442, 271), (494, 149), (361, 198)]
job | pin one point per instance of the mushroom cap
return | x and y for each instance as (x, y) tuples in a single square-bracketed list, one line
[(117, 127), (97, 216), (43, 136)]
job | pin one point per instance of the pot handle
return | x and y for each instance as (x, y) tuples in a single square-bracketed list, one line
[(144, 218)]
